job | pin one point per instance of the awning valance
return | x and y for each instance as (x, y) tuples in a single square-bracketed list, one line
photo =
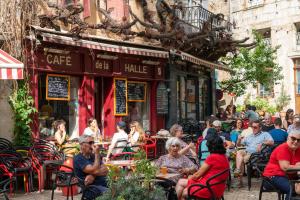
[(10, 68), (104, 47), (198, 61)]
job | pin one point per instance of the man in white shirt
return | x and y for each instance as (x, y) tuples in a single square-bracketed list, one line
[(120, 139)]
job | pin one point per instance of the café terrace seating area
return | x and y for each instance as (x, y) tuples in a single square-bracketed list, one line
[(47, 169)]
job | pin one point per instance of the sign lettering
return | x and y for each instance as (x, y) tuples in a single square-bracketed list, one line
[(102, 65), (141, 69), (59, 59)]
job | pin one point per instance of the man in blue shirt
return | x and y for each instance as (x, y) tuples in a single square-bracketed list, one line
[(88, 165), (251, 114), (278, 135), (253, 143)]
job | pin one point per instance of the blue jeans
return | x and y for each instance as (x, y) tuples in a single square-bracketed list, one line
[(281, 183)]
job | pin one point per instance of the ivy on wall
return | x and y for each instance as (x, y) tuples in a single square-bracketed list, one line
[(22, 105)]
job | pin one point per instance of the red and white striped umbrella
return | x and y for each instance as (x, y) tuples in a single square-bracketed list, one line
[(10, 68)]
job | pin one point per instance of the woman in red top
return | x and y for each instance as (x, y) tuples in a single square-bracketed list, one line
[(215, 163), (285, 156)]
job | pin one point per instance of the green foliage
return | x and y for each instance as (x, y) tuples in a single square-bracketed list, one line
[(252, 66), (283, 100), (135, 186), (264, 105), (240, 108), (22, 105)]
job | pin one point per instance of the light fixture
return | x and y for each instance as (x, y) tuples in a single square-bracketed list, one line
[(58, 51), (107, 57), (150, 62)]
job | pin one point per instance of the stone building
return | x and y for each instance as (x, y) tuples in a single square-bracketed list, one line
[(278, 22)]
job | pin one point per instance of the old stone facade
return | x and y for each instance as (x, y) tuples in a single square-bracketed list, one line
[(279, 22)]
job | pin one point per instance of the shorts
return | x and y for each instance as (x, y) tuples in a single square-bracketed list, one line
[(246, 155)]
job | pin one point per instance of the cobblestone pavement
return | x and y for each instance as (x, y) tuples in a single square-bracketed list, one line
[(233, 194)]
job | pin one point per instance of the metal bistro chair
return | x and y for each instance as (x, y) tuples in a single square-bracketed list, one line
[(293, 195), (267, 185), (4, 187), (63, 176), (208, 186)]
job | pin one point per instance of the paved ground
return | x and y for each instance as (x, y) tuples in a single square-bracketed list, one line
[(233, 194)]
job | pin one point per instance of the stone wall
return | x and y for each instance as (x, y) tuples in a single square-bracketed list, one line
[(280, 17), (6, 121)]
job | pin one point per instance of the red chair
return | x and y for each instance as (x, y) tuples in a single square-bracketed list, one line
[(12, 165), (150, 147)]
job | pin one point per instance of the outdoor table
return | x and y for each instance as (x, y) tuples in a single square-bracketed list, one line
[(121, 163), (170, 176)]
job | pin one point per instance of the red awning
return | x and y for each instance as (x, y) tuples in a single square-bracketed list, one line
[(10, 68)]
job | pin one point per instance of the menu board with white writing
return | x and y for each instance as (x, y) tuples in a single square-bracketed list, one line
[(120, 97), (58, 87), (136, 91), (162, 102)]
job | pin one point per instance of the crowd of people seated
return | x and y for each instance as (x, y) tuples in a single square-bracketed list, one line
[(198, 162)]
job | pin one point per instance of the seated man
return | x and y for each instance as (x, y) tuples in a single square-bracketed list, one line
[(278, 135), (253, 143), (225, 136), (88, 165)]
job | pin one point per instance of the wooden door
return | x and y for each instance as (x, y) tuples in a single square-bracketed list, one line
[(297, 84)]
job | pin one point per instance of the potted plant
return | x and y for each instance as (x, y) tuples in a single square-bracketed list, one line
[(135, 185)]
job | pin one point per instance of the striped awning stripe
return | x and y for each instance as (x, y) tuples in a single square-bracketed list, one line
[(104, 47), (10, 68)]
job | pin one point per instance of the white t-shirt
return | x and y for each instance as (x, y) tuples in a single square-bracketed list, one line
[(88, 131), (119, 136)]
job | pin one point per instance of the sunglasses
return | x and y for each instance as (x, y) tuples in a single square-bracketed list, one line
[(295, 139), (90, 142), (255, 127)]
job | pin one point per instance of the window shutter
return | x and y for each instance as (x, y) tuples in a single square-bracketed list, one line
[(120, 8), (87, 8)]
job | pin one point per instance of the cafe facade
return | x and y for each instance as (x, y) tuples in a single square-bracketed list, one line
[(75, 80), (192, 88)]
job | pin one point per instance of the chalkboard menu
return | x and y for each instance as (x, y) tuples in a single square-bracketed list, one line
[(162, 103), (120, 96), (58, 87), (136, 91)]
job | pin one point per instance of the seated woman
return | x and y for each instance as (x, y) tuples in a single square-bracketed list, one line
[(120, 139), (136, 135), (175, 162), (215, 163), (285, 156), (186, 149), (60, 132), (92, 129), (237, 131)]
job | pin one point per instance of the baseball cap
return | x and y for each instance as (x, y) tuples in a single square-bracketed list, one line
[(217, 123), (121, 124), (83, 138)]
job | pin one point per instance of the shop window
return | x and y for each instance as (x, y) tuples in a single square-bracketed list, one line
[(51, 110), (140, 111)]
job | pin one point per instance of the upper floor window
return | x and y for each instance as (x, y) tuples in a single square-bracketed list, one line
[(264, 91), (266, 34), (297, 25), (255, 2)]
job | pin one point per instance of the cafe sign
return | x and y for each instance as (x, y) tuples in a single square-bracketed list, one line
[(103, 66), (58, 59)]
